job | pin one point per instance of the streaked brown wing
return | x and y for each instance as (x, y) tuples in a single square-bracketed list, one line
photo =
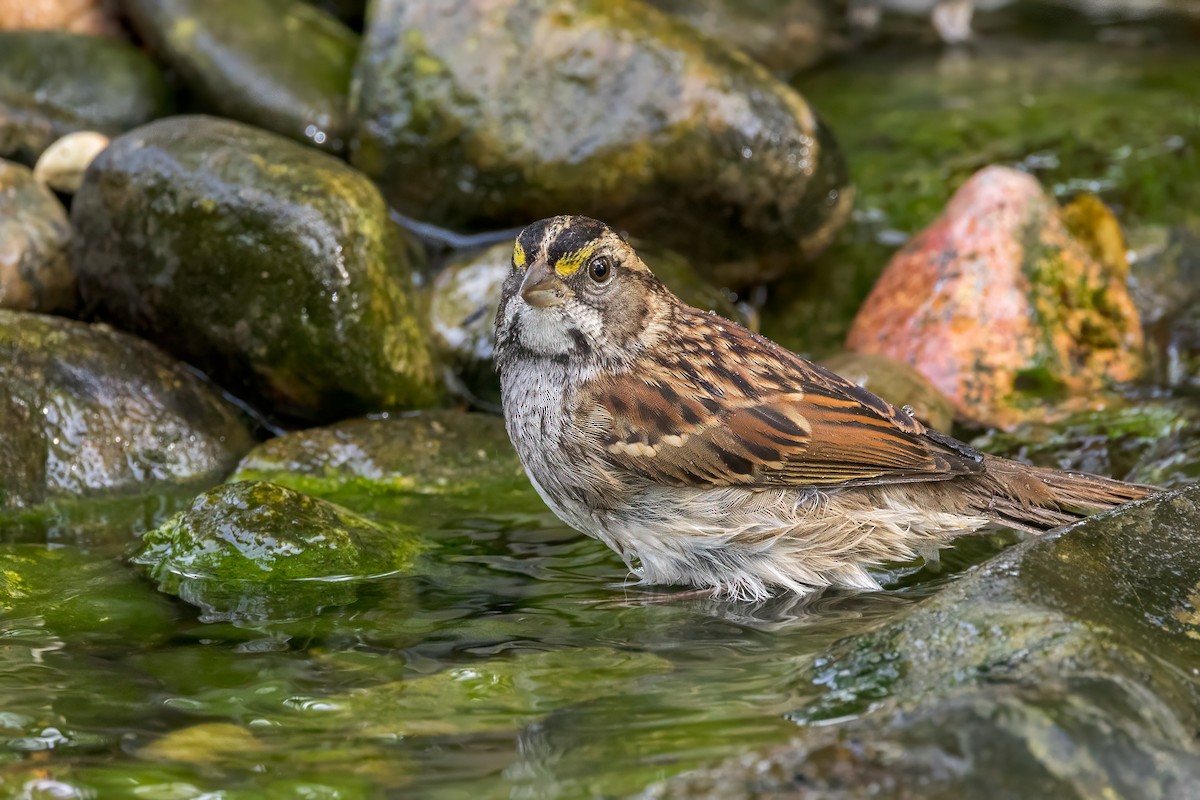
[(735, 409)]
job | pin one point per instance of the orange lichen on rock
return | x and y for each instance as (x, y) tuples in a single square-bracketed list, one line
[(1002, 308)]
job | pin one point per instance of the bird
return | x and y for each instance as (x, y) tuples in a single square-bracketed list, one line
[(708, 456)]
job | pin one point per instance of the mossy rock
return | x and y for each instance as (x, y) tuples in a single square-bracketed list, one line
[(1064, 667), (273, 267), (257, 550), (282, 65), (446, 463), (52, 84), (482, 114), (466, 294), (35, 237), (85, 410)]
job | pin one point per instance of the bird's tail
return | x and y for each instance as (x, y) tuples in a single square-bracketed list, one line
[(1037, 499)]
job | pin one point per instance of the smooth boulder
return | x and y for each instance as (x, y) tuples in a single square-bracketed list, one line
[(52, 84), (479, 114), (85, 410), (273, 267), (282, 65), (35, 239)]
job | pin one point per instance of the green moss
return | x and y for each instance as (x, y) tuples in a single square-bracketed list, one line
[(255, 549), (274, 267)]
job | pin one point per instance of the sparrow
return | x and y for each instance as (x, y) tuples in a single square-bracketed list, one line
[(708, 456)]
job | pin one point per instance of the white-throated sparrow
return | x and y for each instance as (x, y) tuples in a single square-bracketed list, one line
[(709, 456)]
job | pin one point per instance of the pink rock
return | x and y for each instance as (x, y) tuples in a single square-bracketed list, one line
[(1001, 308)]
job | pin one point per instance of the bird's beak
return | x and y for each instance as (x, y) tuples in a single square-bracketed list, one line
[(542, 288)]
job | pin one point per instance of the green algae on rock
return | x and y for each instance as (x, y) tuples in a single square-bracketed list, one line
[(35, 236), (460, 463), (1002, 308), (52, 84), (85, 410), (282, 65), (1064, 667), (466, 294), (272, 266), (257, 550), (479, 114)]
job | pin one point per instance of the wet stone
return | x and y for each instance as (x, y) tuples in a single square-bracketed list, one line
[(85, 410), (484, 115), (53, 83), (283, 65), (273, 267), (443, 463), (257, 550), (35, 237)]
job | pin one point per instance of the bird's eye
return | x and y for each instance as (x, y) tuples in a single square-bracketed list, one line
[(601, 269)]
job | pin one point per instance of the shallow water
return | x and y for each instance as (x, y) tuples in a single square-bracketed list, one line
[(531, 668)]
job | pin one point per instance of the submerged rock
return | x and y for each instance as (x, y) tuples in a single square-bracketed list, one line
[(35, 238), (1001, 308), (898, 383), (271, 266), (466, 294), (785, 37), (253, 550), (1065, 667), (459, 463), (481, 114), (282, 65), (52, 84), (85, 410)]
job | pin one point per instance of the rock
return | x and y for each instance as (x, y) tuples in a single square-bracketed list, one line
[(444, 462), (75, 16), (206, 743), (52, 84), (62, 165), (898, 383), (282, 65), (466, 294), (256, 550), (786, 37), (1001, 308), (485, 114), (1166, 290), (35, 238), (85, 410), (1065, 667), (273, 267)]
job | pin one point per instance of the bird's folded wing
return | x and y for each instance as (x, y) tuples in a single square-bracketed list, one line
[(806, 427)]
